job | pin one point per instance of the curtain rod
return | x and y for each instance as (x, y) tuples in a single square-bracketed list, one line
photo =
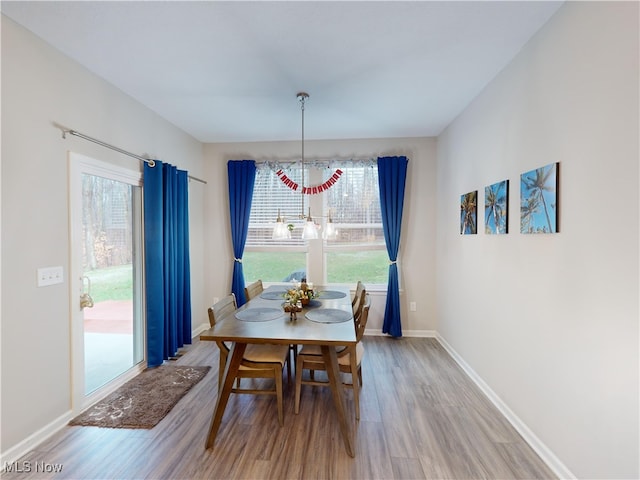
[(150, 161), (318, 160)]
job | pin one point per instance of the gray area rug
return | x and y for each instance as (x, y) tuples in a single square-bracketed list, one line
[(144, 400)]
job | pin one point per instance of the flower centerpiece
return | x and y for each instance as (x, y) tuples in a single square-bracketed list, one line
[(293, 303), (300, 294)]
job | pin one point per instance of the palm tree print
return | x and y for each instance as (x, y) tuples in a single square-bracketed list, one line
[(468, 204), (495, 205), (538, 200)]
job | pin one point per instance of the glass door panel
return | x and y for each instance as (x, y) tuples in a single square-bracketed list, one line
[(111, 275)]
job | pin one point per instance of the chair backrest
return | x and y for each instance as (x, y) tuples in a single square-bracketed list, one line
[(222, 308), (361, 324), (358, 301), (356, 297), (253, 290)]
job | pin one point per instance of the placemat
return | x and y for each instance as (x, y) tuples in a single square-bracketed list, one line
[(328, 315), (273, 294), (259, 314), (330, 294)]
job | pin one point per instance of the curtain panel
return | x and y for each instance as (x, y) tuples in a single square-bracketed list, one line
[(392, 174), (167, 266), (242, 175)]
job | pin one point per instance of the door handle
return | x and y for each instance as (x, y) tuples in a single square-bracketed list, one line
[(85, 297)]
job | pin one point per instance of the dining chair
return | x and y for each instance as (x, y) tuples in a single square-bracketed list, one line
[(355, 301), (259, 361), (358, 301), (253, 290), (349, 361), (356, 304)]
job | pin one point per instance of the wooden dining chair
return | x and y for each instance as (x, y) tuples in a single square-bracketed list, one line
[(349, 361), (253, 290), (357, 303), (259, 361)]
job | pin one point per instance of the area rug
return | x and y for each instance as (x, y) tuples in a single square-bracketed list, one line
[(144, 400)]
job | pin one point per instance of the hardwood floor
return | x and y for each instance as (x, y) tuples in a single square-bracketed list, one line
[(421, 417)]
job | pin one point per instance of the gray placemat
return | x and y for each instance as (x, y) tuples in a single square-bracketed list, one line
[(259, 314), (330, 294), (328, 315), (273, 294)]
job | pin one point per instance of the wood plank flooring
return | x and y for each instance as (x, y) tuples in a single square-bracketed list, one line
[(421, 417)]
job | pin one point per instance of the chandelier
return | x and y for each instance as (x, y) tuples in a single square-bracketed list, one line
[(310, 231)]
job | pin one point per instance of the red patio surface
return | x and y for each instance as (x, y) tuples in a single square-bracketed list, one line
[(111, 316)]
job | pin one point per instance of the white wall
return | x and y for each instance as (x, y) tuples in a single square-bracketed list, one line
[(417, 249), (41, 86), (550, 322)]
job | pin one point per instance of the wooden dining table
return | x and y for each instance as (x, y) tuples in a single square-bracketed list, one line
[(280, 329)]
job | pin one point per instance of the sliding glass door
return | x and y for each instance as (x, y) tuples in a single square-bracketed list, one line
[(107, 282)]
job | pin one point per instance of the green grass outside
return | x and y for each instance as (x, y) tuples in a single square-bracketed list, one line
[(370, 266), (111, 283), (271, 266)]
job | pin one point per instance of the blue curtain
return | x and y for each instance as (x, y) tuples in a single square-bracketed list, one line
[(167, 268), (242, 175), (392, 174)]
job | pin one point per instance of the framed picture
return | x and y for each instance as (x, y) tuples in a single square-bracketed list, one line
[(496, 204), (468, 213), (539, 200)]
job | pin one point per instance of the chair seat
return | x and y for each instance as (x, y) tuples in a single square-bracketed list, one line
[(315, 350), (266, 353), (343, 360)]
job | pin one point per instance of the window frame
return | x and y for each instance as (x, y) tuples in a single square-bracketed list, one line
[(316, 250)]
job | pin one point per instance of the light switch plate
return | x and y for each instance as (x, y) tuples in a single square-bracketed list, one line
[(50, 276)]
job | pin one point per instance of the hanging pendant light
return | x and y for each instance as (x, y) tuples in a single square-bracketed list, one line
[(330, 231), (310, 232), (280, 231)]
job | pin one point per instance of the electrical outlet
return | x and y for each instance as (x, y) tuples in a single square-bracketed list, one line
[(50, 276), (412, 306)]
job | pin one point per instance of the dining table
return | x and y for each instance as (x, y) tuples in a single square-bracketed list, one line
[(327, 322)]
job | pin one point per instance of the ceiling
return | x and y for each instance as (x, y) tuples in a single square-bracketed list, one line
[(230, 71)]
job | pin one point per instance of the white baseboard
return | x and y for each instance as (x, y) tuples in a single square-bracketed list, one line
[(195, 333), (405, 333), (538, 446), (32, 441)]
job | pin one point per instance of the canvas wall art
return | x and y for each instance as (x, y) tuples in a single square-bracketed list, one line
[(539, 200), (496, 204), (468, 213)]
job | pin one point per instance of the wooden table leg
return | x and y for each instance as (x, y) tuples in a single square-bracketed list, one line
[(230, 372), (331, 362)]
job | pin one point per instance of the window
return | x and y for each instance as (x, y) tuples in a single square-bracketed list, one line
[(356, 251)]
